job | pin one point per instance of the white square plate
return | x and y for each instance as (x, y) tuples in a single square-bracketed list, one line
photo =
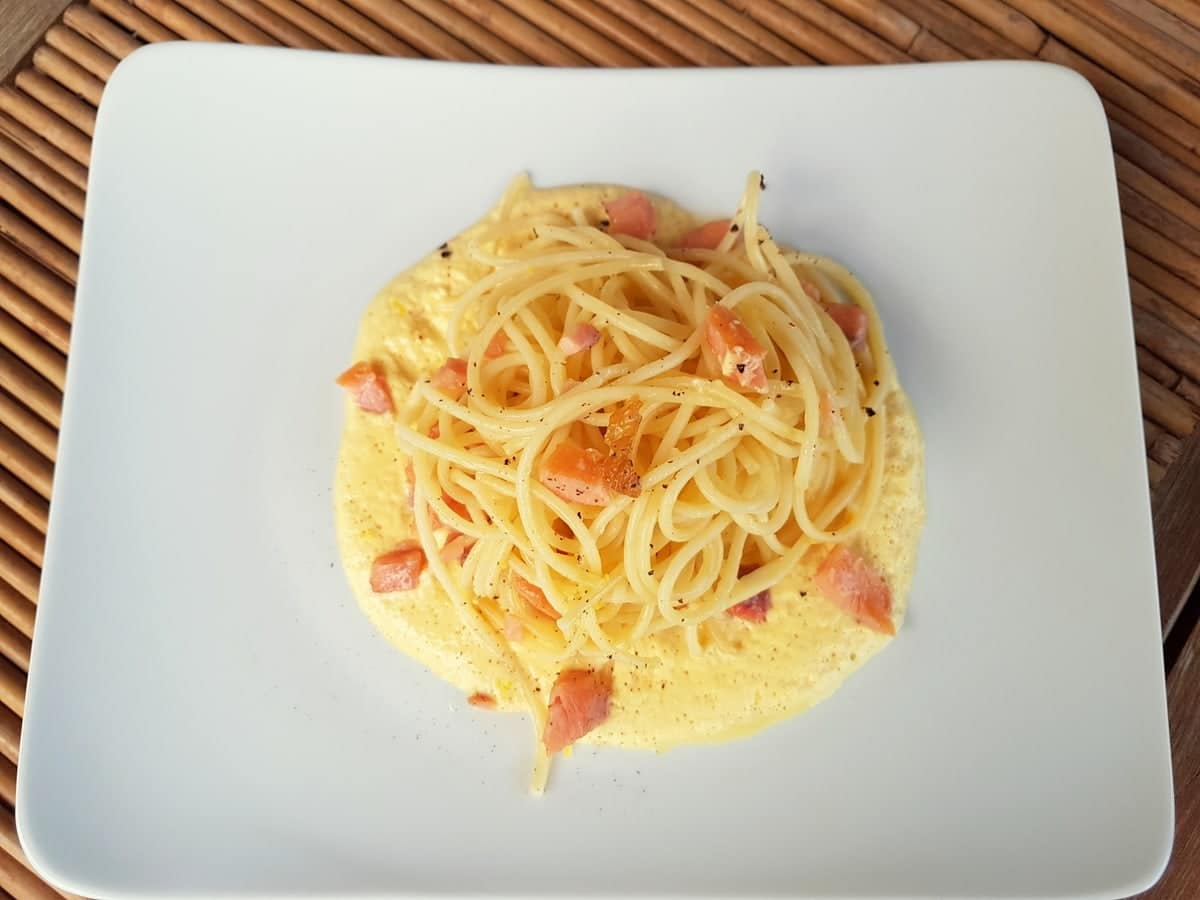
[(208, 712)]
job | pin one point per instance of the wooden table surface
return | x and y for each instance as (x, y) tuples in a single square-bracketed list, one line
[(1142, 56), (22, 23)]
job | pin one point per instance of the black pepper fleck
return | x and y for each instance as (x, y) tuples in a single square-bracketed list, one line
[(741, 426), (762, 182), (870, 412), (734, 227), (446, 254)]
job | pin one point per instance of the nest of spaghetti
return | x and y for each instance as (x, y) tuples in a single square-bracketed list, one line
[(629, 438), (634, 439)]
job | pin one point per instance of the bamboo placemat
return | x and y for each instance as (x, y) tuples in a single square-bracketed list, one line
[(1143, 57)]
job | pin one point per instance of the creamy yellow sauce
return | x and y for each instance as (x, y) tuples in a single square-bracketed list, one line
[(748, 676)]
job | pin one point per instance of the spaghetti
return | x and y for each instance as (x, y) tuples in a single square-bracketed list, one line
[(729, 398)]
